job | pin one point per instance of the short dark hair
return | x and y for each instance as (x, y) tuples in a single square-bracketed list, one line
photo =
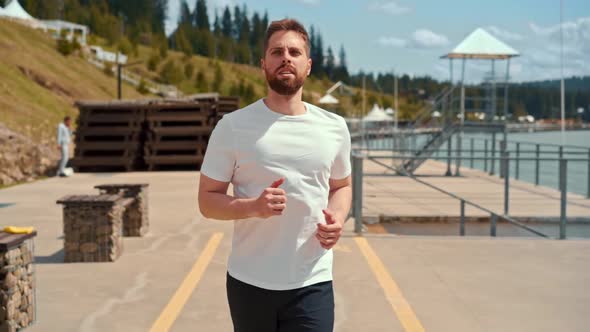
[(287, 24), (67, 118)]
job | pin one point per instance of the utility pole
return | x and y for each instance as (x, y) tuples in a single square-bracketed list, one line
[(561, 67), (395, 103), (119, 69), (364, 97)]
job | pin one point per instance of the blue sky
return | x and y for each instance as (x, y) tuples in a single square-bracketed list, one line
[(406, 36)]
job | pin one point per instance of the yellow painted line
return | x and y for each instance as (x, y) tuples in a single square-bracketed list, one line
[(377, 228), (190, 282), (401, 307)]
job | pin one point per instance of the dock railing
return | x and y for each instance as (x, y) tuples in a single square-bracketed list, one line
[(358, 156)]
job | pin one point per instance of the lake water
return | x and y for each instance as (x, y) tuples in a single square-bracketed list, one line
[(577, 146)]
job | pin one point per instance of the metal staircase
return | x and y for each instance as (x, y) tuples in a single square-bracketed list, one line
[(444, 104)]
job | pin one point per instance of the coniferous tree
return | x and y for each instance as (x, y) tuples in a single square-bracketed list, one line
[(201, 17), (330, 64), (226, 23)]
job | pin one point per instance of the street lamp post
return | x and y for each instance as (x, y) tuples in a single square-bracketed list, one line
[(119, 67)]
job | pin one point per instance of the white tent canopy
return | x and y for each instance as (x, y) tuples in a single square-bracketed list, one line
[(328, 99), (482, 45), (15, 10), (377, 114), (58, 26)]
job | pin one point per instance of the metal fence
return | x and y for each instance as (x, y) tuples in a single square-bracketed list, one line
[(504, 160)]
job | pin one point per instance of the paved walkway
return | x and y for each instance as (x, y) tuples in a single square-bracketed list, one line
[(173, 279), (395, 195)]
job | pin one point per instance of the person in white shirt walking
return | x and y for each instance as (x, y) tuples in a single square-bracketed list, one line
[(289, 164), (64, 134)]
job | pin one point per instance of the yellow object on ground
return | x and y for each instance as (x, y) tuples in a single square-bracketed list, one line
[(18, 230)]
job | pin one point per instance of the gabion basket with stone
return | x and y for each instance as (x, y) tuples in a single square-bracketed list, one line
[(17, 273)]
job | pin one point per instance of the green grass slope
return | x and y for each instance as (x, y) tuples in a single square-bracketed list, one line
[(38, 85)]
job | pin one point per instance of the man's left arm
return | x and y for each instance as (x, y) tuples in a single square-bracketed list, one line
[(339, 202)]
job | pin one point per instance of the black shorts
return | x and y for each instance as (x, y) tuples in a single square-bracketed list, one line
[(307, 309)]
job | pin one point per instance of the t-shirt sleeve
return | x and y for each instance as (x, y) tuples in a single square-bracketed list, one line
[(341, 167), (219, 160)]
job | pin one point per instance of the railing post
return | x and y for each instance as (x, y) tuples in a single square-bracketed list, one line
[(493, 154), (537, 161), (560, 151), (357, 192), (459, 152), (517, 160), (506, 163), (493, 221), (485, 156), (588, 187), (563, 205), (503, 146), (462, 222), (472, 152), (449, 146)]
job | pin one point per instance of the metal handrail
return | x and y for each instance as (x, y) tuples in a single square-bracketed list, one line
[(481, 158), (532, 143), (463, 203), (477, 150)]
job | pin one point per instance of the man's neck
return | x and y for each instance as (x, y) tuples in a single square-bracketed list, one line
[(288, 105)]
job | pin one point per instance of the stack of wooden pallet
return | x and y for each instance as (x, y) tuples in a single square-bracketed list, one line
[(108, 137), (148, 134), (221, 105), (177, 135)]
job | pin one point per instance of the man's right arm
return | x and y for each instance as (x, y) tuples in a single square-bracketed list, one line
[(214, 203)]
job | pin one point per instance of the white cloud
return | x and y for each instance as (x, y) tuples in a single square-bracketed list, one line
[(424, 38), (504, 34), (391, 41), (390, 7), (542, 60), (420, 39), (309, 2), (574, 32)]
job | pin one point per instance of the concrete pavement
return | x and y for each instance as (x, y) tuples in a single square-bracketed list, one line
[(450, 283)]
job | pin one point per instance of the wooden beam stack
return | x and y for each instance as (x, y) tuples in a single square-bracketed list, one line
[(160, 134), (108, 137), (178, 135)]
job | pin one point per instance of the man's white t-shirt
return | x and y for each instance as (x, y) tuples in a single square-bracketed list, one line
[(255, 146)]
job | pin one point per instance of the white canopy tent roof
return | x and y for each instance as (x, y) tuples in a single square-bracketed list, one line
[(377, 114), (328, 99), (481, 45), (15, 10)]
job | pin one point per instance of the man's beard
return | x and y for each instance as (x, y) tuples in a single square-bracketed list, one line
[(285, 87)]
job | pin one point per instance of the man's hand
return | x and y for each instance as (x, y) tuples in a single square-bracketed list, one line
[(272, 201), (329, 233)]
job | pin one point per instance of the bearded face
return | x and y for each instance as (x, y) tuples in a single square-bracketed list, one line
[(286, 63), (285, 80)]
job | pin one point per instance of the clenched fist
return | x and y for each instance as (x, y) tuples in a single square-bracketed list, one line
[(272, 201)]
